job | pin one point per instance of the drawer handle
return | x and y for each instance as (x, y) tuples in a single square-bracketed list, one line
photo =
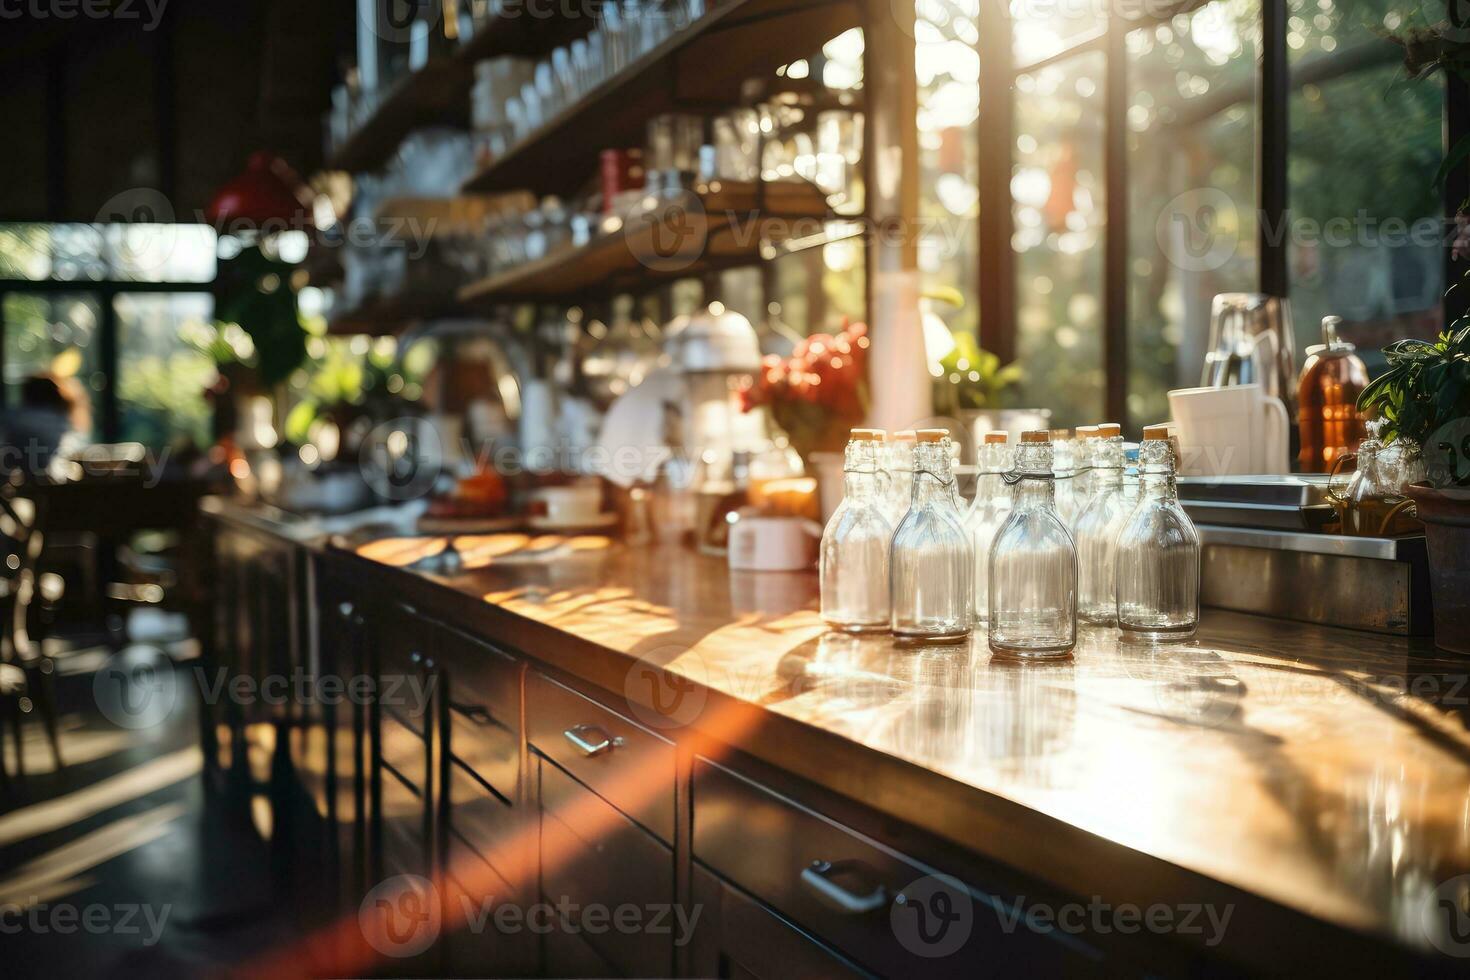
[(591, 740), (817, 878)]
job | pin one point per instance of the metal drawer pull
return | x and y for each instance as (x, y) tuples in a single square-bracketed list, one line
[(591, 740), (817, 878)]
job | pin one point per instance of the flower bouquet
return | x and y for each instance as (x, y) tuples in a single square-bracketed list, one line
[(817, 394)]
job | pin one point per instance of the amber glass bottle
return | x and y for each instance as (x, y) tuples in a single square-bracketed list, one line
[(1327, 400)]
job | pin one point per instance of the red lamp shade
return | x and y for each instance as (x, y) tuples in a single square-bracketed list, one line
[(267, 190)]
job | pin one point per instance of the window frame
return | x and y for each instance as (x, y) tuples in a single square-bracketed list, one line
[(1273, 86)]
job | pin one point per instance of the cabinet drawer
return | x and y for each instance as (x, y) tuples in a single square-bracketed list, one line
[(483, 680), (405, 649), (475, 944), (404, 751), (489, 750), (739, 937), (842, 886), (592, 854), (484, 824), (634, 771)]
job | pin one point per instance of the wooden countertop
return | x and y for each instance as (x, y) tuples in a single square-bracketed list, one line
[(1326, 772)]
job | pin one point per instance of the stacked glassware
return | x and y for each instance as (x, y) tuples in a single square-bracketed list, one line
[(1158, 551), (1098, 526), (931, 559), (854, 556), (991, 506), (1033, 564)]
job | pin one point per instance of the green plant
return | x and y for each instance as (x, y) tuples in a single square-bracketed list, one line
[(973, 377), (1426, 387)]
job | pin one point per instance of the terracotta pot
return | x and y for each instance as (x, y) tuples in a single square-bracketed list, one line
[(1446, 517)]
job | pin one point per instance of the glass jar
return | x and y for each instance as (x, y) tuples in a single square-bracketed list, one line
[(899, 467), (1097, 530), (930, 562), (854, 557), (988, 511), (1158, 551), (1033, 564), (1374, 503)]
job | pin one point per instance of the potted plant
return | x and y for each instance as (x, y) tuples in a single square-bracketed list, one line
[(1424, 400)]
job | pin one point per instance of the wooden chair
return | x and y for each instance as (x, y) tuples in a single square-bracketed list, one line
[(27, 674)]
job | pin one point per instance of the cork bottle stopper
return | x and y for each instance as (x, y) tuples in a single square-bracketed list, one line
[(905, 435), (869, 435), (931, 435), (997, 437), (1156, 433), (1036, 435), (1109, 430)]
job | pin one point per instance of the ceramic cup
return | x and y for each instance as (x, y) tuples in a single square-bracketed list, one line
[(571, 506), (1230, 431)]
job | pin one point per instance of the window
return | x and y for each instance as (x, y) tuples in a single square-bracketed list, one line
[(1110, 298), (113, 309)]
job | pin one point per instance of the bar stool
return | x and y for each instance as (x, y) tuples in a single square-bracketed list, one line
[(27, 674)]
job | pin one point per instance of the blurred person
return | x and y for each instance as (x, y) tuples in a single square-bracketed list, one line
[(48, 424)]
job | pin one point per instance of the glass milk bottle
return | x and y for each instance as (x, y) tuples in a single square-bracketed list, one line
[(930, 562), (899, 465), (1158, 551), (854, 558), (991, 505), (1033, 564), (1063, 468), (1084, 445), (1097, 530)]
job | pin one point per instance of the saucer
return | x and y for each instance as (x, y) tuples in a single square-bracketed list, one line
[(598, 523)]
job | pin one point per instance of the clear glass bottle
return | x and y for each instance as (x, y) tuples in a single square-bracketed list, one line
[(1064, 469), (899, 466), (988, 511), (1084, 445), (1097, 530), (930, 563), (854, 558), (1158, 551), (1033, 564)]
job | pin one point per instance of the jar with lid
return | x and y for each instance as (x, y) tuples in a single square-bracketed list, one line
[(1374, 504), (1097, 530), (988, 511), (1327, 400), (1033, 564), (930, 561), (854, 558), (1158, 551)]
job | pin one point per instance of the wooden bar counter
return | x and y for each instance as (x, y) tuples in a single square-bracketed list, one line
[(1311, 784)]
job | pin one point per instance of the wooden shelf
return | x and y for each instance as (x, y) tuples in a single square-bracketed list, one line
[(700, 68), (439, 93), (718, 225), (434, 94), (386, 315)]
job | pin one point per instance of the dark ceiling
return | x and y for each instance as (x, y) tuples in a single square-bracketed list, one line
[(170, 95)]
